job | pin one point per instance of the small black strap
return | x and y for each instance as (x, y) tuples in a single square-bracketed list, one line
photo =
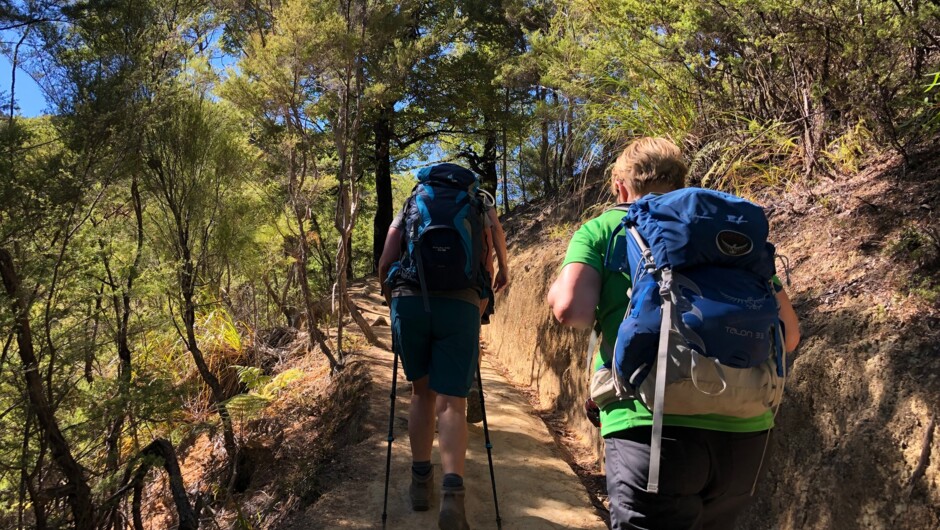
[(785, 261), (421, 281)]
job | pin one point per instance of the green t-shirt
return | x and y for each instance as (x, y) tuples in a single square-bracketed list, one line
[(589, 246)]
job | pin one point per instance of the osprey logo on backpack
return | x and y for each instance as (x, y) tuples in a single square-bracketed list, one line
[(443, 241), (733, 243), (754, 304), (703, 317)]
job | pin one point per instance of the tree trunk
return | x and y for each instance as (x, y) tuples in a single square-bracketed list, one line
[(568, 150), (79, 493), (281, 300), (40, 521), (187, 519), (122, 314), (346, 139), (344, 222), (188, 291), (95, 324), (489, 177), (545, 169), (383, 131), (314, 336), (349, 261), (522, 184), (35, 491), (363, 324), (506, 160)]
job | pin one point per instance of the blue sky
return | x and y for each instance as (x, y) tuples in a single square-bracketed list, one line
[(29, 97)]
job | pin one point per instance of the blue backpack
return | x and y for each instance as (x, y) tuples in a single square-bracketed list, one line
[(443, 232), (703, 317)]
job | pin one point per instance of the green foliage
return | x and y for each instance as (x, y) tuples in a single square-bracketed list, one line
[(932, 102), (402, 184), (918, 246), (760, 157), (217, 328), (561, 232), (30, 200), (262, 389), (927, 290), (265, 386), (847, 152), (725, 74)]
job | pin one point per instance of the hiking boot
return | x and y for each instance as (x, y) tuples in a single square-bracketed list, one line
[(420, 491), (474, 407), (452, 516)]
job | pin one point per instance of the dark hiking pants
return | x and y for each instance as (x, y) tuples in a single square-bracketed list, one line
[(705, 478)]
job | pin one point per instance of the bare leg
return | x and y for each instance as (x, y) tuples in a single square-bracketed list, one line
[(421, 420), (452, 424)]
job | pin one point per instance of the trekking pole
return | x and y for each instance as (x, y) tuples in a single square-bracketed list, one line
[(391, 425), (489, 447)]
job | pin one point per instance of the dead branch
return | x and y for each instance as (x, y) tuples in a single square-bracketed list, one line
[(924, 457)]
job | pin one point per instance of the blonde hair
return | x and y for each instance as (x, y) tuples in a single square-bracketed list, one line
[(649, 164)]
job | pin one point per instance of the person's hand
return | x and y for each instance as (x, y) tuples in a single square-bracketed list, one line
[(385, 289), (501, 281), (387, 294)]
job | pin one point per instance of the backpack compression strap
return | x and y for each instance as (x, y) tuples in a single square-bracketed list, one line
[(662, 357), (665, 291)]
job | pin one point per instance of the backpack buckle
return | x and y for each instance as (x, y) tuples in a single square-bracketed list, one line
[(665, 283), (665, 289)]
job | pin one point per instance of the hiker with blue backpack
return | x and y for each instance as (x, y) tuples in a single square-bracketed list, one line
[(694, 327), (435, 279)]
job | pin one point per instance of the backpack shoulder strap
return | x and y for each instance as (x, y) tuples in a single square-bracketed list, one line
[(621, 207), (646, 255)]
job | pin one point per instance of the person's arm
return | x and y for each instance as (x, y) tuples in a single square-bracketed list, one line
[(390, 254), (502, 278), (488, 252), (791, 323), (574, 295)]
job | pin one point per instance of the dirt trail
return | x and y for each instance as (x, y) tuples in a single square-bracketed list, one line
[(536, 488)]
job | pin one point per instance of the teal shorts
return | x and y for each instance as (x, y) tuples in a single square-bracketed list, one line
[(443, 343)]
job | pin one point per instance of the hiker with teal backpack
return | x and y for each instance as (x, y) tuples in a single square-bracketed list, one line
[(433, 271), (694, 329)]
